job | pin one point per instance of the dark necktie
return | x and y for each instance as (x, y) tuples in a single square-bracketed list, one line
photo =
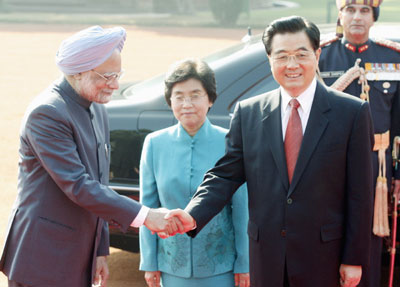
[(293, 138)]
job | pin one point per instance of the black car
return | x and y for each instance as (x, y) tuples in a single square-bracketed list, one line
[(241, 71)]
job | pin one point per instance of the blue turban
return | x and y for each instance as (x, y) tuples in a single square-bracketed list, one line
[(89, 49)]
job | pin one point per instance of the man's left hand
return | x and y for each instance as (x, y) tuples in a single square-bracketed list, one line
[(350, 275), (242, 279), (102, 272)]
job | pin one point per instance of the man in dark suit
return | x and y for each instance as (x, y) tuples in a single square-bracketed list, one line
[(303, 150), (58, 232)]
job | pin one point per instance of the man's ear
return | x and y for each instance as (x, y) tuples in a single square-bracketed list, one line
[(340, 16), (77, 76), (269, 60), (318, 53)]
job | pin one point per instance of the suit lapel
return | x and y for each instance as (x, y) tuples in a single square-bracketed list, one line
[(272, 125), (316, 125)]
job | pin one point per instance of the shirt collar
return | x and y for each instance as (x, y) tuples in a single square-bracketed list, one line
[(201, 133), (305, 98), (356, 48)]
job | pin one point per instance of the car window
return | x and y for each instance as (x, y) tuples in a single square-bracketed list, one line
[(231, 50), (263, 85)]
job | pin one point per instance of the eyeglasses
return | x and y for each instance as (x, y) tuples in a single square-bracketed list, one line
[(111, 76), (299, 57), (192, 99)]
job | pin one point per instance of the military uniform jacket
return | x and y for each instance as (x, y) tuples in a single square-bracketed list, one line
[(58, 224), (384, 95)]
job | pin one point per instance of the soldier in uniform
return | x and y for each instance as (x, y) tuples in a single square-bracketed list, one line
[(369, 69)]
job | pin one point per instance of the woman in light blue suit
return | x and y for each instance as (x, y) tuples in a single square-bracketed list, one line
[(173, 163)]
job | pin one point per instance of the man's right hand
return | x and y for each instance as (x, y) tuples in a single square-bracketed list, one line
[(347, 78), (187, 221), (350, 275), (157, 223)]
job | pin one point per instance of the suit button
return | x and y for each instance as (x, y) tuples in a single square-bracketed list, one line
[(283, 233), (289, 201)]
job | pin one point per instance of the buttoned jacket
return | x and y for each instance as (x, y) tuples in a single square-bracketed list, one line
[(323, 217), (384, 95), (172, 166)]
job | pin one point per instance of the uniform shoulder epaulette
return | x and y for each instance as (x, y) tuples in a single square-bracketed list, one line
[(328, 40), (388, 44)]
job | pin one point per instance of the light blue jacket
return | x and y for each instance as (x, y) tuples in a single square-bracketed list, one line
[(172, 166)]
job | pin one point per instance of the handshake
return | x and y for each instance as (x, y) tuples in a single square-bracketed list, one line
[(167, 223)]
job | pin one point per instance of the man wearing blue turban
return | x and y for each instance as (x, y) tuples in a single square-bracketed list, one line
[(58, 232)]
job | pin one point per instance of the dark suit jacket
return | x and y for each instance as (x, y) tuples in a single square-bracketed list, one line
[(324, 217), (59, 221)]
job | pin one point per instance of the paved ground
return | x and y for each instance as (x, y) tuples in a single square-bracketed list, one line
[(27, 67)]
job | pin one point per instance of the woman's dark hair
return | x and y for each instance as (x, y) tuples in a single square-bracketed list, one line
[(292, 24), (191, 69)]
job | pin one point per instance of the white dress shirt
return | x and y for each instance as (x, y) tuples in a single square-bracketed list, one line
[(141, 217), (305, 100)]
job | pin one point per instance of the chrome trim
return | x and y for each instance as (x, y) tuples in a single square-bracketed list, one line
[(123, 188)]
